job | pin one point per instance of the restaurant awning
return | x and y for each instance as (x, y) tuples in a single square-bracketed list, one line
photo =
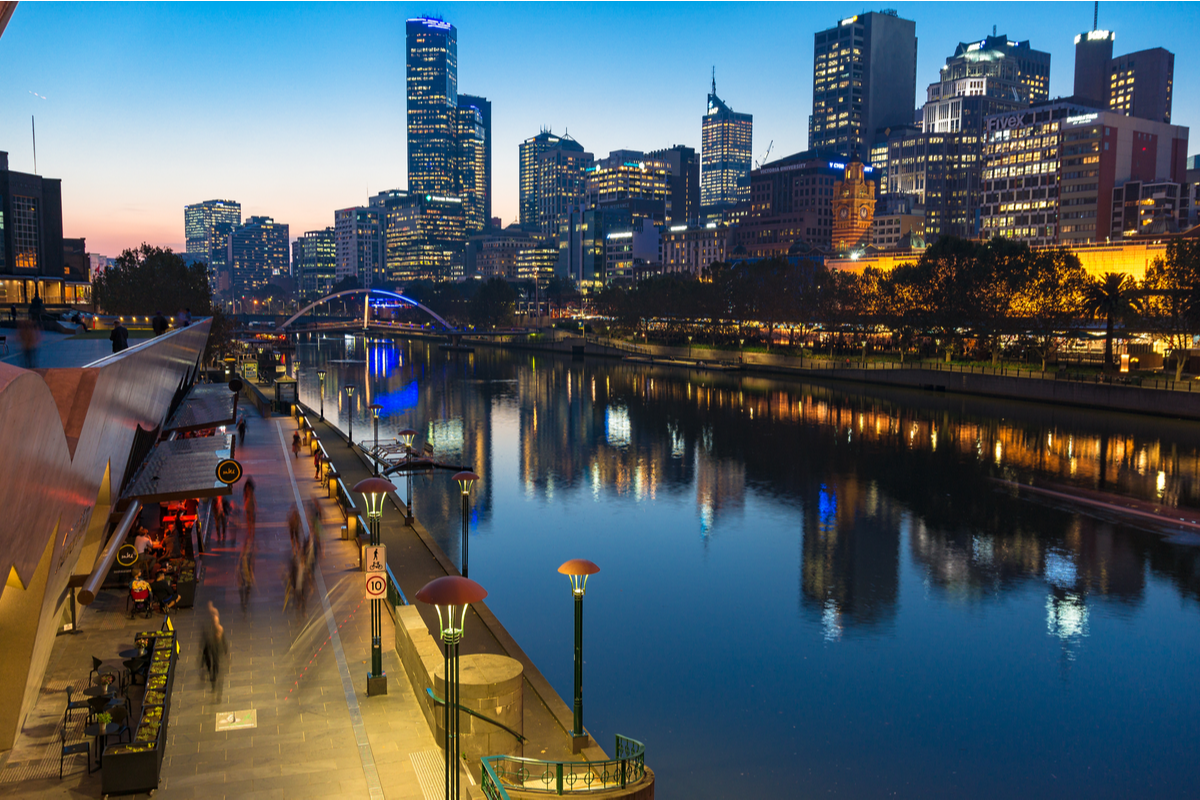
[(207, 405), (176, 470)]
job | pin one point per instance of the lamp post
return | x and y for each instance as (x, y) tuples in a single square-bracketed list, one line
[(373, 491), (375, 408), (465, 481), (689, 346), (407, 436), (321, 378), (350, 387), (450, 596), (578, 569)]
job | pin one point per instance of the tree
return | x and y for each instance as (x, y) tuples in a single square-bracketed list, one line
[(151, 279), (1114, 297), (1170, 290), (493, 304), (1048, 302)]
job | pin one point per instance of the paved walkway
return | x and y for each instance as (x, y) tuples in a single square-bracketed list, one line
[(304, 675)]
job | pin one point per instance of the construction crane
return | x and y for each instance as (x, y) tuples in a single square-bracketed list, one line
[(766, 155)]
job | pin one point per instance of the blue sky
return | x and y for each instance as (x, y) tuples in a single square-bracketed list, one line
[(298, 109)]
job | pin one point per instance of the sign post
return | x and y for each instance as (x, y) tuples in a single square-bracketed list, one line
[(376, 585)]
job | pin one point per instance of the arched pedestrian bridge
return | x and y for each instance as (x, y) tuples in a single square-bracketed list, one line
[(367, 308)]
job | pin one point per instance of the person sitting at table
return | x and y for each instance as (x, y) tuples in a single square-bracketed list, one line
[(142, 540), (164, 593)]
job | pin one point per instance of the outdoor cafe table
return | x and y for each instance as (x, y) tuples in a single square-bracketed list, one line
[(133, 652), (98, 731), (101, 689)]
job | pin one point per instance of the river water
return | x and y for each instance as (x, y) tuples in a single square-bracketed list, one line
[(817, 589)]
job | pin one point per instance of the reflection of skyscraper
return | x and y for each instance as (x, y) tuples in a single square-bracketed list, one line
[(850, 555), (720, 488)]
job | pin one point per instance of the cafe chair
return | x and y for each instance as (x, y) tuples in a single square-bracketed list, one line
[(73, 704), (137, 668), (120, 716), (84, 747), (95, 706), (99, 668)]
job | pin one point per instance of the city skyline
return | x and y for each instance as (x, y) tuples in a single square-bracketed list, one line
[(127, 170)]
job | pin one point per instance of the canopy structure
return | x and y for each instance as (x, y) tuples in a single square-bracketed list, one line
[(179, 469), (207, 405)]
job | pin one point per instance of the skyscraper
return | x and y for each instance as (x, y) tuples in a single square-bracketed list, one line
[(257, 252), (206, 228), (484, 107), (470, 167), (1093, 53), (683, 183), (726, 138), (358, 236), (314, 262), (561, 181), (1140, 84), (432, 80), (528, 153), (864, 81)]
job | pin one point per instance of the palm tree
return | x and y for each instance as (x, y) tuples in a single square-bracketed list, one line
[(1113, 297)]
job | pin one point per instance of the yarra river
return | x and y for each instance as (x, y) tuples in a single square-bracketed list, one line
[(817, 590)]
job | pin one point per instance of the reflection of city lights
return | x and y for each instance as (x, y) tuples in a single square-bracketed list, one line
[(706, 515), (1161, 483), (616, 425), (831, 621), (1066, 618), (1059, 570), (999, 453)]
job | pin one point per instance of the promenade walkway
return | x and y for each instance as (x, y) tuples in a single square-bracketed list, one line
[(315, 733)]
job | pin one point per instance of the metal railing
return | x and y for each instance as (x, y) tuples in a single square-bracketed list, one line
[(564, 777)]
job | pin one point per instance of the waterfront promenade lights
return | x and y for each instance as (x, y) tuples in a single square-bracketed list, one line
[(689, 346), (407, 435), (374, 490), (578, 569), (451, 596), (321, 378), (375, 409), (465, 481), (350, 387)]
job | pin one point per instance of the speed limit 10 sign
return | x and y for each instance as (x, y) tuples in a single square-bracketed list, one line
[(376, 585)]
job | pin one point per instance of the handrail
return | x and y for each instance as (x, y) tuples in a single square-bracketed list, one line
[(490, 783), (87, 594), (439, 701), (394, 587), (566, 777)]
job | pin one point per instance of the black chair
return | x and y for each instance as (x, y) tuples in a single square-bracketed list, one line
[(136, 667), (99, 668), (120, 716), (83, 747), (73, 704), (95, 706)]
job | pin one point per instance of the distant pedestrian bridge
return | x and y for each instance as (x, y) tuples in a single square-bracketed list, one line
[(367, 307)]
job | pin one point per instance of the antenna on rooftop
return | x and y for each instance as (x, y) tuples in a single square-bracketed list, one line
[(714, 79), (1096, 16), (33, 127)]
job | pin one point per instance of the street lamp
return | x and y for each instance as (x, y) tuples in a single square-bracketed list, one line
[(321, 378), (375, 408), (450, 596), (350, 387), (465, 480), (578, 569), (373, 491), (407, 436)]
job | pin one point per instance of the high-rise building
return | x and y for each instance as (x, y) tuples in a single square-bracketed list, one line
[(561, 181), (206, 228), (257, 252), (864, 81), (629, 179), (470, 167), (31, 240), (1009, 74), (358, 235), (1140, 84), (432, 81), (726, 142), (314, 262), (1049, 172), (692, 249), (484, 106), (528, 152), (683, 183), (791, 200), (425, 234), (1093, 54)]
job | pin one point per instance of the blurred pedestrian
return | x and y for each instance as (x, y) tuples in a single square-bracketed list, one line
[(317, 464), (216, 649), (30, 336), (246, 573), (12, 312), (159, 323), (119, 337), (220, 518), (251, 506), (241, 429), (35, 308), (296, 444)]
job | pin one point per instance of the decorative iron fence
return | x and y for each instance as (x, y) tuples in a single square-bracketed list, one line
[(565, 777)]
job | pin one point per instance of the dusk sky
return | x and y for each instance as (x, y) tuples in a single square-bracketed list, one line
[(295, 110)]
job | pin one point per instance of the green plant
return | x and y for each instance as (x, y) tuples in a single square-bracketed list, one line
[(103, 718)]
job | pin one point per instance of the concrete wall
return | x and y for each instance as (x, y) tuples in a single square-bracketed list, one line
[(66, 435)]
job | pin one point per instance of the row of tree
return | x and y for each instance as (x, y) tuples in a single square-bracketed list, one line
[(959, 290)]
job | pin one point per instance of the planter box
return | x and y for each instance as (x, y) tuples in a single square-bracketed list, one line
[(135, 767)]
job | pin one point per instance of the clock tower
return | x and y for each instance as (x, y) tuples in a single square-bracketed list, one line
[(853, 209)]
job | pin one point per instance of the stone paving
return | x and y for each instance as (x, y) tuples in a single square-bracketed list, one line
[(304, 675)]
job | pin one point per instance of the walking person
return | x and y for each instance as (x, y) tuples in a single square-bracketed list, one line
[(12, 313), (317, 464), (159, 323), (219, 518), (250, 504), (246, 573), (119, 337), (216, 649), (241, 429), (29, 342), (296, 444)]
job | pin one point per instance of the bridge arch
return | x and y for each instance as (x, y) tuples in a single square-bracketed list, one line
[(382, 292)]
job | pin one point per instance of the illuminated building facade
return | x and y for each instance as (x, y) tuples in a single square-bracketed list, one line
[(899, 221), (206, 228), (1049, 172), (1145, 207), (791, 200), (853, 209), (561, 181), (864, 81), (942, 172), (630, 179), (494, 254), (482, 177), (726, 142), (31, 240), (432, 82), (995, 73), (358, 234), (528, 152), (314, 262), (424, 237), (683, 183), (536, 264), (1141, 84), (258, 251), (691, 250), (470, 168), (633, 253)]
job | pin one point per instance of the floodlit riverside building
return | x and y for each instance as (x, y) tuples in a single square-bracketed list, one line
[(691, 250)]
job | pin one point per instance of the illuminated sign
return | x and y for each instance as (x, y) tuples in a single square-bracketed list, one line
[(1008, 121), (1081, 119), (841, 166), (432, 23), (678, 228), (626, 235), (439, 199), (849, 21), (711, 225)]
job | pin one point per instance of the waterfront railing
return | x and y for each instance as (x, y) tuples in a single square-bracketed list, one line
[(501, 773)]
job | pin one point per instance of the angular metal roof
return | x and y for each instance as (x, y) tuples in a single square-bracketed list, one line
[(183, 468), (207, 405)]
